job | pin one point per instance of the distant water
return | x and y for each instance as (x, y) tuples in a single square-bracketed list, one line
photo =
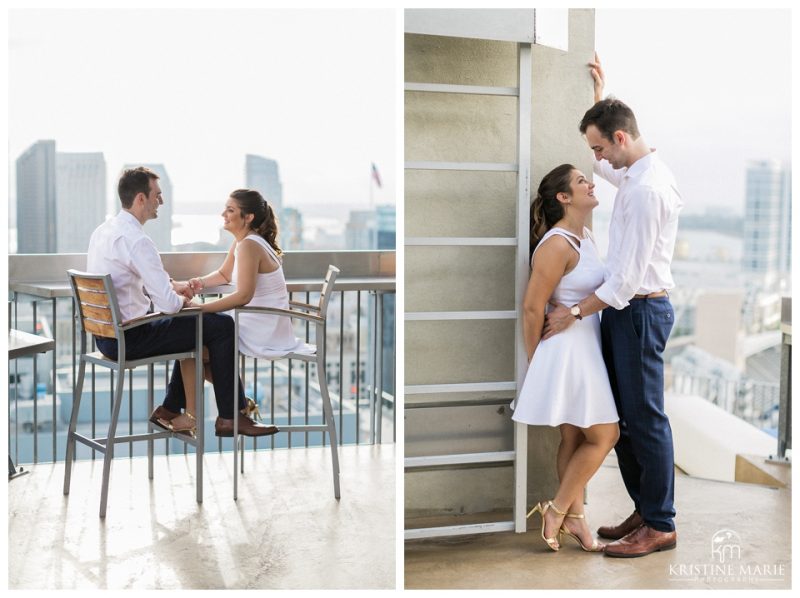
[(325, 232), (708, 246), (193, 229), (702, 259), (692, 244)]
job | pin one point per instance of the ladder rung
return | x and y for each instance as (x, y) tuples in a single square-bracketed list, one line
[(415, 316), (484, 90), (462, 459), (420, 389), (492, 166), (458, 530), (461, 241)]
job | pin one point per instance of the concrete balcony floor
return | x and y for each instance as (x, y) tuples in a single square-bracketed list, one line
[(285, 531), (761, 517)]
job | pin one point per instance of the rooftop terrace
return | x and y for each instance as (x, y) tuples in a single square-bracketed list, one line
[(760, 515), (286, 531)]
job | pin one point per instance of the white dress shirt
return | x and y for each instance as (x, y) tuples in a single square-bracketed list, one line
[(120, 247), (642, 232)]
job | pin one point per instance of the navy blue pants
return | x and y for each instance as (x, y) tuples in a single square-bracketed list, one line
[(175, 335), (633, 343)]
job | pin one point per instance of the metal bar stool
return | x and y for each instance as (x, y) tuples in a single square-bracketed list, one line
[(316, 314), (98, 314)]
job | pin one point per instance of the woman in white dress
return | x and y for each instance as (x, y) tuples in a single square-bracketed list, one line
[(566, 384), (254, 266)]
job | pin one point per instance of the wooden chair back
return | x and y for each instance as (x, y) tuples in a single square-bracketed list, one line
[(96, 303)]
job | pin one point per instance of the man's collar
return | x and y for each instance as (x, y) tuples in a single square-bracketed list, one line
[(127, 216), (640, 165)]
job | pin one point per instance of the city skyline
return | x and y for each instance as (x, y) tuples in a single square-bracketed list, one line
[(684, 106), (66, 191), (705, 99), (219, 95)]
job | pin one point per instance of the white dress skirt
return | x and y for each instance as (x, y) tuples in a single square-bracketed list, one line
[(266, 335), (567, 381)]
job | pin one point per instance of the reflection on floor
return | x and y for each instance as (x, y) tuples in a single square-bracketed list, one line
[(285, 531)]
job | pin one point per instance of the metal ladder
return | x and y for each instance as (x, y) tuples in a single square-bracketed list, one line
[(518, 456)]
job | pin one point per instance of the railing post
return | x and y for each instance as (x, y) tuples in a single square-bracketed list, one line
[(785, 412)]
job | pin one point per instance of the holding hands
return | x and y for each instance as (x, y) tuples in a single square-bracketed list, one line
[(185, 290), (197, 284)]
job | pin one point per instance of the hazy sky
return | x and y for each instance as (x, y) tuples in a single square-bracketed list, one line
[(198, 89), (711, 89)]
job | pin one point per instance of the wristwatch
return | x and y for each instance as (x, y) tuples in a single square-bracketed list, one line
[(575, 310)]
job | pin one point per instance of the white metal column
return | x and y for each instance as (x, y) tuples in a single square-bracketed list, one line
[(523, 247)]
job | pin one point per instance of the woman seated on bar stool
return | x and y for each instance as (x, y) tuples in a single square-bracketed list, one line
[(254, 266)]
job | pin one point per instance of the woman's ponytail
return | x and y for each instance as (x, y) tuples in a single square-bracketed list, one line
[(546, 210), (264, 223)]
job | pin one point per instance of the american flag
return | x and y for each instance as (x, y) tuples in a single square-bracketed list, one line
[(376, 176)]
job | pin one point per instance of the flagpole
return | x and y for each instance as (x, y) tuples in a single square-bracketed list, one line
[(371, 177)]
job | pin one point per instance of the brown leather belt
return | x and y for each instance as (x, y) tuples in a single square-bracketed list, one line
[(652, 295)]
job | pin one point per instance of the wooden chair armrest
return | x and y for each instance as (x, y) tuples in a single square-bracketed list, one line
[(306, 306), (157, 316)]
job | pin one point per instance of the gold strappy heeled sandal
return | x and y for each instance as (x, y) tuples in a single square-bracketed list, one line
[(595, 547), (542, 508), (251, 409), (191, 430)]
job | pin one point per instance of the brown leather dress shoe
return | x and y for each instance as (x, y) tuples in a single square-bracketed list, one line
[(642, 541), (623, 529), (163, 414), (247, 427)]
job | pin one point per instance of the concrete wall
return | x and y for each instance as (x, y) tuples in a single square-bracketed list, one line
[(465, 128), (718, 331), (711, 452)]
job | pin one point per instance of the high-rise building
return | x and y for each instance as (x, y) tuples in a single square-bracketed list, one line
[(290, 229), (785, 245), (766, 223), (371, 229), (160, 229), (81, 199), (262, 175), (385, 227), (360, 230), (36, 199)]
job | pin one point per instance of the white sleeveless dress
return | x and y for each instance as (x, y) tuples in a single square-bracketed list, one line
[(567, 380), (267, 335)]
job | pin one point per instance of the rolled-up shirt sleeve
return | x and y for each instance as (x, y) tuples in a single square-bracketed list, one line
[(644, 214), (147, 262)]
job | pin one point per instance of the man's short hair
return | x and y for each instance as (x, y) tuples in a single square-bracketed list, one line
[(610, 115), (132, 182)]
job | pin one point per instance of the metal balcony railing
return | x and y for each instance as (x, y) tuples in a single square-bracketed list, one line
[(755, 402), (360, 362), (766, 405)]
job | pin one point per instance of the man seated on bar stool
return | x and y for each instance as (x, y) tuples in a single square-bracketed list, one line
[(121, 248)]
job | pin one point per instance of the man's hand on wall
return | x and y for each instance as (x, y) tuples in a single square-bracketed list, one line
[(599, 78)]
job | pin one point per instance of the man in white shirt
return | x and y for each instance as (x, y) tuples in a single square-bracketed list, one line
[(121, 248), (637, 318)]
